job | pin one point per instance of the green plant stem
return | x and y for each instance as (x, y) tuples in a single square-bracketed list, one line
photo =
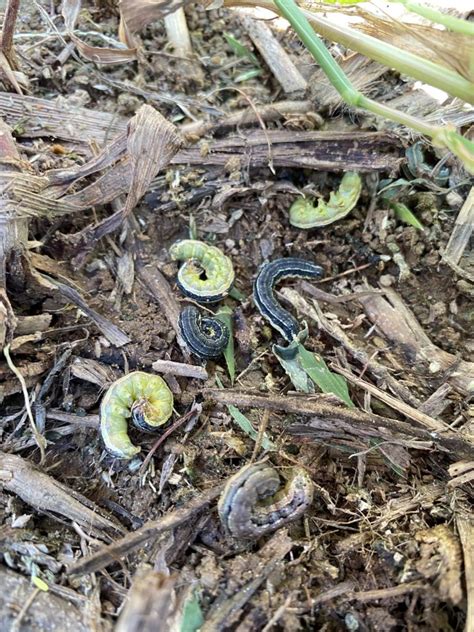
[(337, 76), (405, 62), (449, 21), (441, 136), (401, 60)]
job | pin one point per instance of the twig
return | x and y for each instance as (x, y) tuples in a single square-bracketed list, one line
[(48, 495), (158, 287), (466, 535), (271, 112), (115, 551), (86, 421), (437, 401), (364, 266), (279, 613), (149, 602), (394, 320), (179, 368), (8, 30), (377, 370), (410, 412), (15, 626), (267, 560), (179, 422), (40, 440), (325, 151), (463, 227), (110, 331), (387, 593), (318, 407), (177, 32), (261, 433), (265, 132)]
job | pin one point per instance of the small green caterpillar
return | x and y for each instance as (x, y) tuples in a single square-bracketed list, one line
[(208, 280), (303, 213), (144, 397)]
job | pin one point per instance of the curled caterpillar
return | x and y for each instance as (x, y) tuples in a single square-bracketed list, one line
[(143, 397), (418, 168), (303, 213), (207, 274), (206, 337), (264, 298), (251, 504)]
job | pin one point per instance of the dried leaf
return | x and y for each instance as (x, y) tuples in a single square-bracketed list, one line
[(70, 11), (104, 55), (138, 13), (152, 142)]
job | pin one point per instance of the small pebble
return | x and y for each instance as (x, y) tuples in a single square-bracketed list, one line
[(386, 280), (454, 200)]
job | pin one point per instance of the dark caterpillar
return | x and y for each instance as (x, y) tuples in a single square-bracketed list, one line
[(206, 337), (269, 274), (254, 502)]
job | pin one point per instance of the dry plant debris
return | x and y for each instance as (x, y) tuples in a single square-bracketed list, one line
[(123, 145)]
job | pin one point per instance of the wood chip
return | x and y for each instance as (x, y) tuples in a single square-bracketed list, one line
[(44, 493), (275, 56), (462, 231)]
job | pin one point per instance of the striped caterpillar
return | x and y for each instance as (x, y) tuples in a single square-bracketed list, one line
[(253, 502), (269, 274), (206, 337), (303, 213), (143, 397)]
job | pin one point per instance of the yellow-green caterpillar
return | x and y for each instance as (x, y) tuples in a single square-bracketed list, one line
[(207, 274), (144, 397), (303, 213)]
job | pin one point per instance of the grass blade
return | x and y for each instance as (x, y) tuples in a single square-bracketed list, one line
[(225, 316), (318, 371)]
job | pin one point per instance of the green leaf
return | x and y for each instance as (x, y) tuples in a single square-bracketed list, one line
[(240, 49), (290, 360), (192, 618), (39, 583), (245, 424), (390, 189), (236, 294), (318, 371), (225, 316), (249, 74), (192, 228), (405, 215)]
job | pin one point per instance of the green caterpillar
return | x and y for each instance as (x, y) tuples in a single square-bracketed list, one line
[(143, 397), (207, 274), (303, 213)]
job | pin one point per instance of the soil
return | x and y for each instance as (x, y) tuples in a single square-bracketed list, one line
[(380, 548)]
